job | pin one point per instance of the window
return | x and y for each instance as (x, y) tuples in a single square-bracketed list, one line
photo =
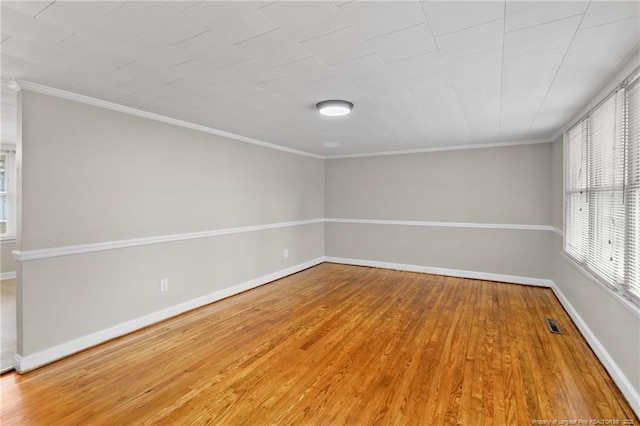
[(602, 191), (7, 194)]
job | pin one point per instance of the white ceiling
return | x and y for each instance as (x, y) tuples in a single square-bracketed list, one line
[(421, 74)]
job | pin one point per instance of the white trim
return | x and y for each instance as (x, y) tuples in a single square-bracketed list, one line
[(618, 376), (15, 86), (7, 275), (440, 148), (26, 363), (26, 255), (443, 224), (7, 239), (39, 88), (618, 297), (18, 85), (557, 231), (487, 276)]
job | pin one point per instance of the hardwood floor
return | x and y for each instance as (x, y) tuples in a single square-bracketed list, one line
[(335, 345)]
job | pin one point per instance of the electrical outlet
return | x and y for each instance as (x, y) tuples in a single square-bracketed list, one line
[(164, 284), (286, 253)]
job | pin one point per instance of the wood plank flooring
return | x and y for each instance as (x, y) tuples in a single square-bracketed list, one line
[(335, 345)]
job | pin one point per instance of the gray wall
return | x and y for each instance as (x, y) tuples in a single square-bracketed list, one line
[(612, 323), (508, 185), (7, 264), (94, 175)]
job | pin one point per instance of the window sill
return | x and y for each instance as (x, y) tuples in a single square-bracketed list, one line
[(625, 302), (7, 239)]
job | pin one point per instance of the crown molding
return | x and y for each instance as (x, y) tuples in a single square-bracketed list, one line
[(18, 85), (15, 86), (441, 148)]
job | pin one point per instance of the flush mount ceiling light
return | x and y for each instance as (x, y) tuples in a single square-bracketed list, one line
[(334, 108)]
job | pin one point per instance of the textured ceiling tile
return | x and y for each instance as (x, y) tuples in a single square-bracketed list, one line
[(174, 30), (540, 60), (153, 56), (540, 37), (163, 58), (30, 29), (335, 87), (375, 19), (273, 48), (446, 17), (428, 63), (623, 34), (252, 71), (526, 82), (81, 54), (485, 62), (604, 12), (31, 8), (305, 20), (477, 80), (379, 83), (211, 47), (338, 46), (427, 83), (11, 66), (182, 5), (305, 70), (524, 14), (87, 18), (356, 69), (402, 44), (473, 40), (235, 21)]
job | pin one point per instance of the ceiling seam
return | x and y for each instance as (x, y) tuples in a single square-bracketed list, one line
[(455, 92), (559, 67)]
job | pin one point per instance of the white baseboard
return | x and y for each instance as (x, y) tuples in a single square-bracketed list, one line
[(7, 275), (514, 279), (22, 364), (30, 362), (618, 376)]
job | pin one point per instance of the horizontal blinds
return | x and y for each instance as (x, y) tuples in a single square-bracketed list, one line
[(606, 184), (602, 191), (633, 190), (577, 151), (577, 207)]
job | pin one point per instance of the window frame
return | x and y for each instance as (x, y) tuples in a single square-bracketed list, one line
[(620, 289), (10, 193)]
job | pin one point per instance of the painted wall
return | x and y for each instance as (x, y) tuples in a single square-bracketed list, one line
[(91, 175), (7, 264), (507, 185), (612, 322)]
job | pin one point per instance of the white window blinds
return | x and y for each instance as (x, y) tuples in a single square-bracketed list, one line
[(632, 190), (602, 191)]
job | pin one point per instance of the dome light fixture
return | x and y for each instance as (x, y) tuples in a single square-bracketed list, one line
[(334, 108)]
